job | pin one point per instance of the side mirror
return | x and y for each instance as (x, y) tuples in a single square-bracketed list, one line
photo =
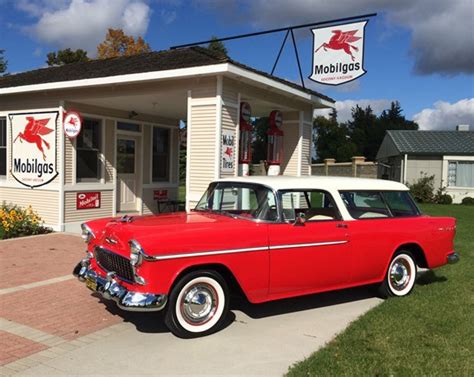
[(300, 219)]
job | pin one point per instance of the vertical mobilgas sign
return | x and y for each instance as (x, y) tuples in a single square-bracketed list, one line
[(338, 53), (33, 147)]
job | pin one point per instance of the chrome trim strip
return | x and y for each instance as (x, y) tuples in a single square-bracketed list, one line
[(244, 250), (206, 253), (297, 245)]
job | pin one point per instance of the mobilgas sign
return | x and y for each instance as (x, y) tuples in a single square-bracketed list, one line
[(33, 147), (338, 53)]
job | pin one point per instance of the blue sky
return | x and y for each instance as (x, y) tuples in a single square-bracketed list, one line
[(417, 52)]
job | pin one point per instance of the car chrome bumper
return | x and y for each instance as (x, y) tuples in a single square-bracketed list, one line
[(110, 289), (453, 258)]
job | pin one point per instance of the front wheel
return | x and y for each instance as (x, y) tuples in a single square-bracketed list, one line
[(400, 277), (198, 304)]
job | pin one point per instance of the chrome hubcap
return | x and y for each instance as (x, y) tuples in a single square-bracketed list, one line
[(199, 304), (400, 274)]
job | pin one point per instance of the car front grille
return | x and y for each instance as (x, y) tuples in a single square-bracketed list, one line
[(110, 261)]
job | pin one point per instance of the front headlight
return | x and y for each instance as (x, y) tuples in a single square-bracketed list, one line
[(136, 253), (87, 233)]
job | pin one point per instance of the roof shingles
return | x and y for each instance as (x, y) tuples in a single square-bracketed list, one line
[(141, 63), (433, 142)]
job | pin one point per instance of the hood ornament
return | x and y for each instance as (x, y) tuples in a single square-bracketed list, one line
[(126, 219)]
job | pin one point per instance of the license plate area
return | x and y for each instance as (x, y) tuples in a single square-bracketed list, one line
[(91, 284)]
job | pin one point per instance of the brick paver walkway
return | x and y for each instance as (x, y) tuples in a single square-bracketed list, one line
[(44, 311)]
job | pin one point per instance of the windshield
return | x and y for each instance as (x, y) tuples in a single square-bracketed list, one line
[(248, 201)]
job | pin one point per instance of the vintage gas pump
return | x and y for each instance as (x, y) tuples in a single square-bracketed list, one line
[(245, 139), (275, 143)]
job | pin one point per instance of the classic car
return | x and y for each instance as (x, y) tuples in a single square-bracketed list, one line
[(268, 237)]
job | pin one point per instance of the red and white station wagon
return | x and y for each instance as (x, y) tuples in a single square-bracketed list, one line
[(271, 238)]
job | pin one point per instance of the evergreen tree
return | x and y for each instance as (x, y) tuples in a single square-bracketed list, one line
[(331, 139), (259, 139), (3, 62), (66, 56), (217, 46)]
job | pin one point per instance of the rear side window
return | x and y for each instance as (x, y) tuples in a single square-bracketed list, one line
[(375, 204), (400, 203)]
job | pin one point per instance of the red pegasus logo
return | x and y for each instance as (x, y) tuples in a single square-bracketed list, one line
[(341, 41), (33, 131), (228, 152)]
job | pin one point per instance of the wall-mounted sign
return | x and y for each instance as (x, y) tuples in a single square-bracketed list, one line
[(33, 147), (72, 124), (87, 200), (227, 151), (245, 112), (338, 53), (160, 194)]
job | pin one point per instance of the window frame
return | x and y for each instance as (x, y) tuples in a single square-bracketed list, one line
[(100, 154), (305, 191), (456, 161), (5, 147), (170, 153), (389, 211)]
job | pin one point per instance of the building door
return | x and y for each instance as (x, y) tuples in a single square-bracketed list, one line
[(127, 173)]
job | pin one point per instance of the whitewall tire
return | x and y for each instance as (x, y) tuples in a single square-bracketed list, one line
[(401, 275), (198, 304)]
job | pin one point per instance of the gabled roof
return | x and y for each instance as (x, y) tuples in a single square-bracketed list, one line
[(427, 143), (141, 63)]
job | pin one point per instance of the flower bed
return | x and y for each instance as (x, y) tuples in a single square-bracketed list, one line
[(18, 222)]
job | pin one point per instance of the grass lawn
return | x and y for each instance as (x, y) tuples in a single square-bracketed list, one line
[(429, 333)]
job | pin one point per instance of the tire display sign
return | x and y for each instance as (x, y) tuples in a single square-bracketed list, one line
[(87, 200), (33, 147), (160, 194), (338, 53), (227, 151), (72, 124)]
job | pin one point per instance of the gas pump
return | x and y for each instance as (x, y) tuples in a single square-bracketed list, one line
[(275, 143), (245, 139)]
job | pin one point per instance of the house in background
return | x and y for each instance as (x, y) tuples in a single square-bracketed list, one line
[(405, 156)]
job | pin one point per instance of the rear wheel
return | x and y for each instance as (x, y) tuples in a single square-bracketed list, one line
[(198, 304), (401, 275)]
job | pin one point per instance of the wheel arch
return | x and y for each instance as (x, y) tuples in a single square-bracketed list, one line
[(417, 252), (232, 282)]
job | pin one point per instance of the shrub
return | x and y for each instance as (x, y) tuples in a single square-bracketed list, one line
[(441, 197), (468, 201), (422, 189), (17, 222), (444, 199)]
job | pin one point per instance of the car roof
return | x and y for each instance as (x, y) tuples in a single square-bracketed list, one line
[(320, 183)]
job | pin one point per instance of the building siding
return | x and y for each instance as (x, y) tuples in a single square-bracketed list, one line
[(291, 138), (71, 214), (44, 202), (201, 158), (306, 149), (419, 165)]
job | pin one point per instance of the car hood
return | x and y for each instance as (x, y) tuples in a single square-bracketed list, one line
[(178, 233)]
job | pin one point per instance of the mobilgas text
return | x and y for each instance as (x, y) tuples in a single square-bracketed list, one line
[(32, 166), (336, 68)]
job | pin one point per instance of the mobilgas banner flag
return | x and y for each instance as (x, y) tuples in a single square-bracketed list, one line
[(33, 158), (338, 53)]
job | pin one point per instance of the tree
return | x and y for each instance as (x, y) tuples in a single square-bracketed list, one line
[(217, 46), (117, 43), (259, 139), (3, 62), (331, 139), (66, 56)]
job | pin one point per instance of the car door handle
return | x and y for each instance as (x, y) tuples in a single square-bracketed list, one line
[(341, 226)]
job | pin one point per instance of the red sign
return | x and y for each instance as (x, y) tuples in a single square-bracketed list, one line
[(160, 194), (72, 124), (87, 200)]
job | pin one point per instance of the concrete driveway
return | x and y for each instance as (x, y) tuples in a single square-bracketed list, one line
[(51, 325)]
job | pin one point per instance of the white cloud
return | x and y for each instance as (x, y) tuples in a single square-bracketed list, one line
[(84, 23), (441, 31), (344, 108), (446, 116)]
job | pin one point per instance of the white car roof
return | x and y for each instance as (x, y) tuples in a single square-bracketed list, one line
[(320, 183)]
